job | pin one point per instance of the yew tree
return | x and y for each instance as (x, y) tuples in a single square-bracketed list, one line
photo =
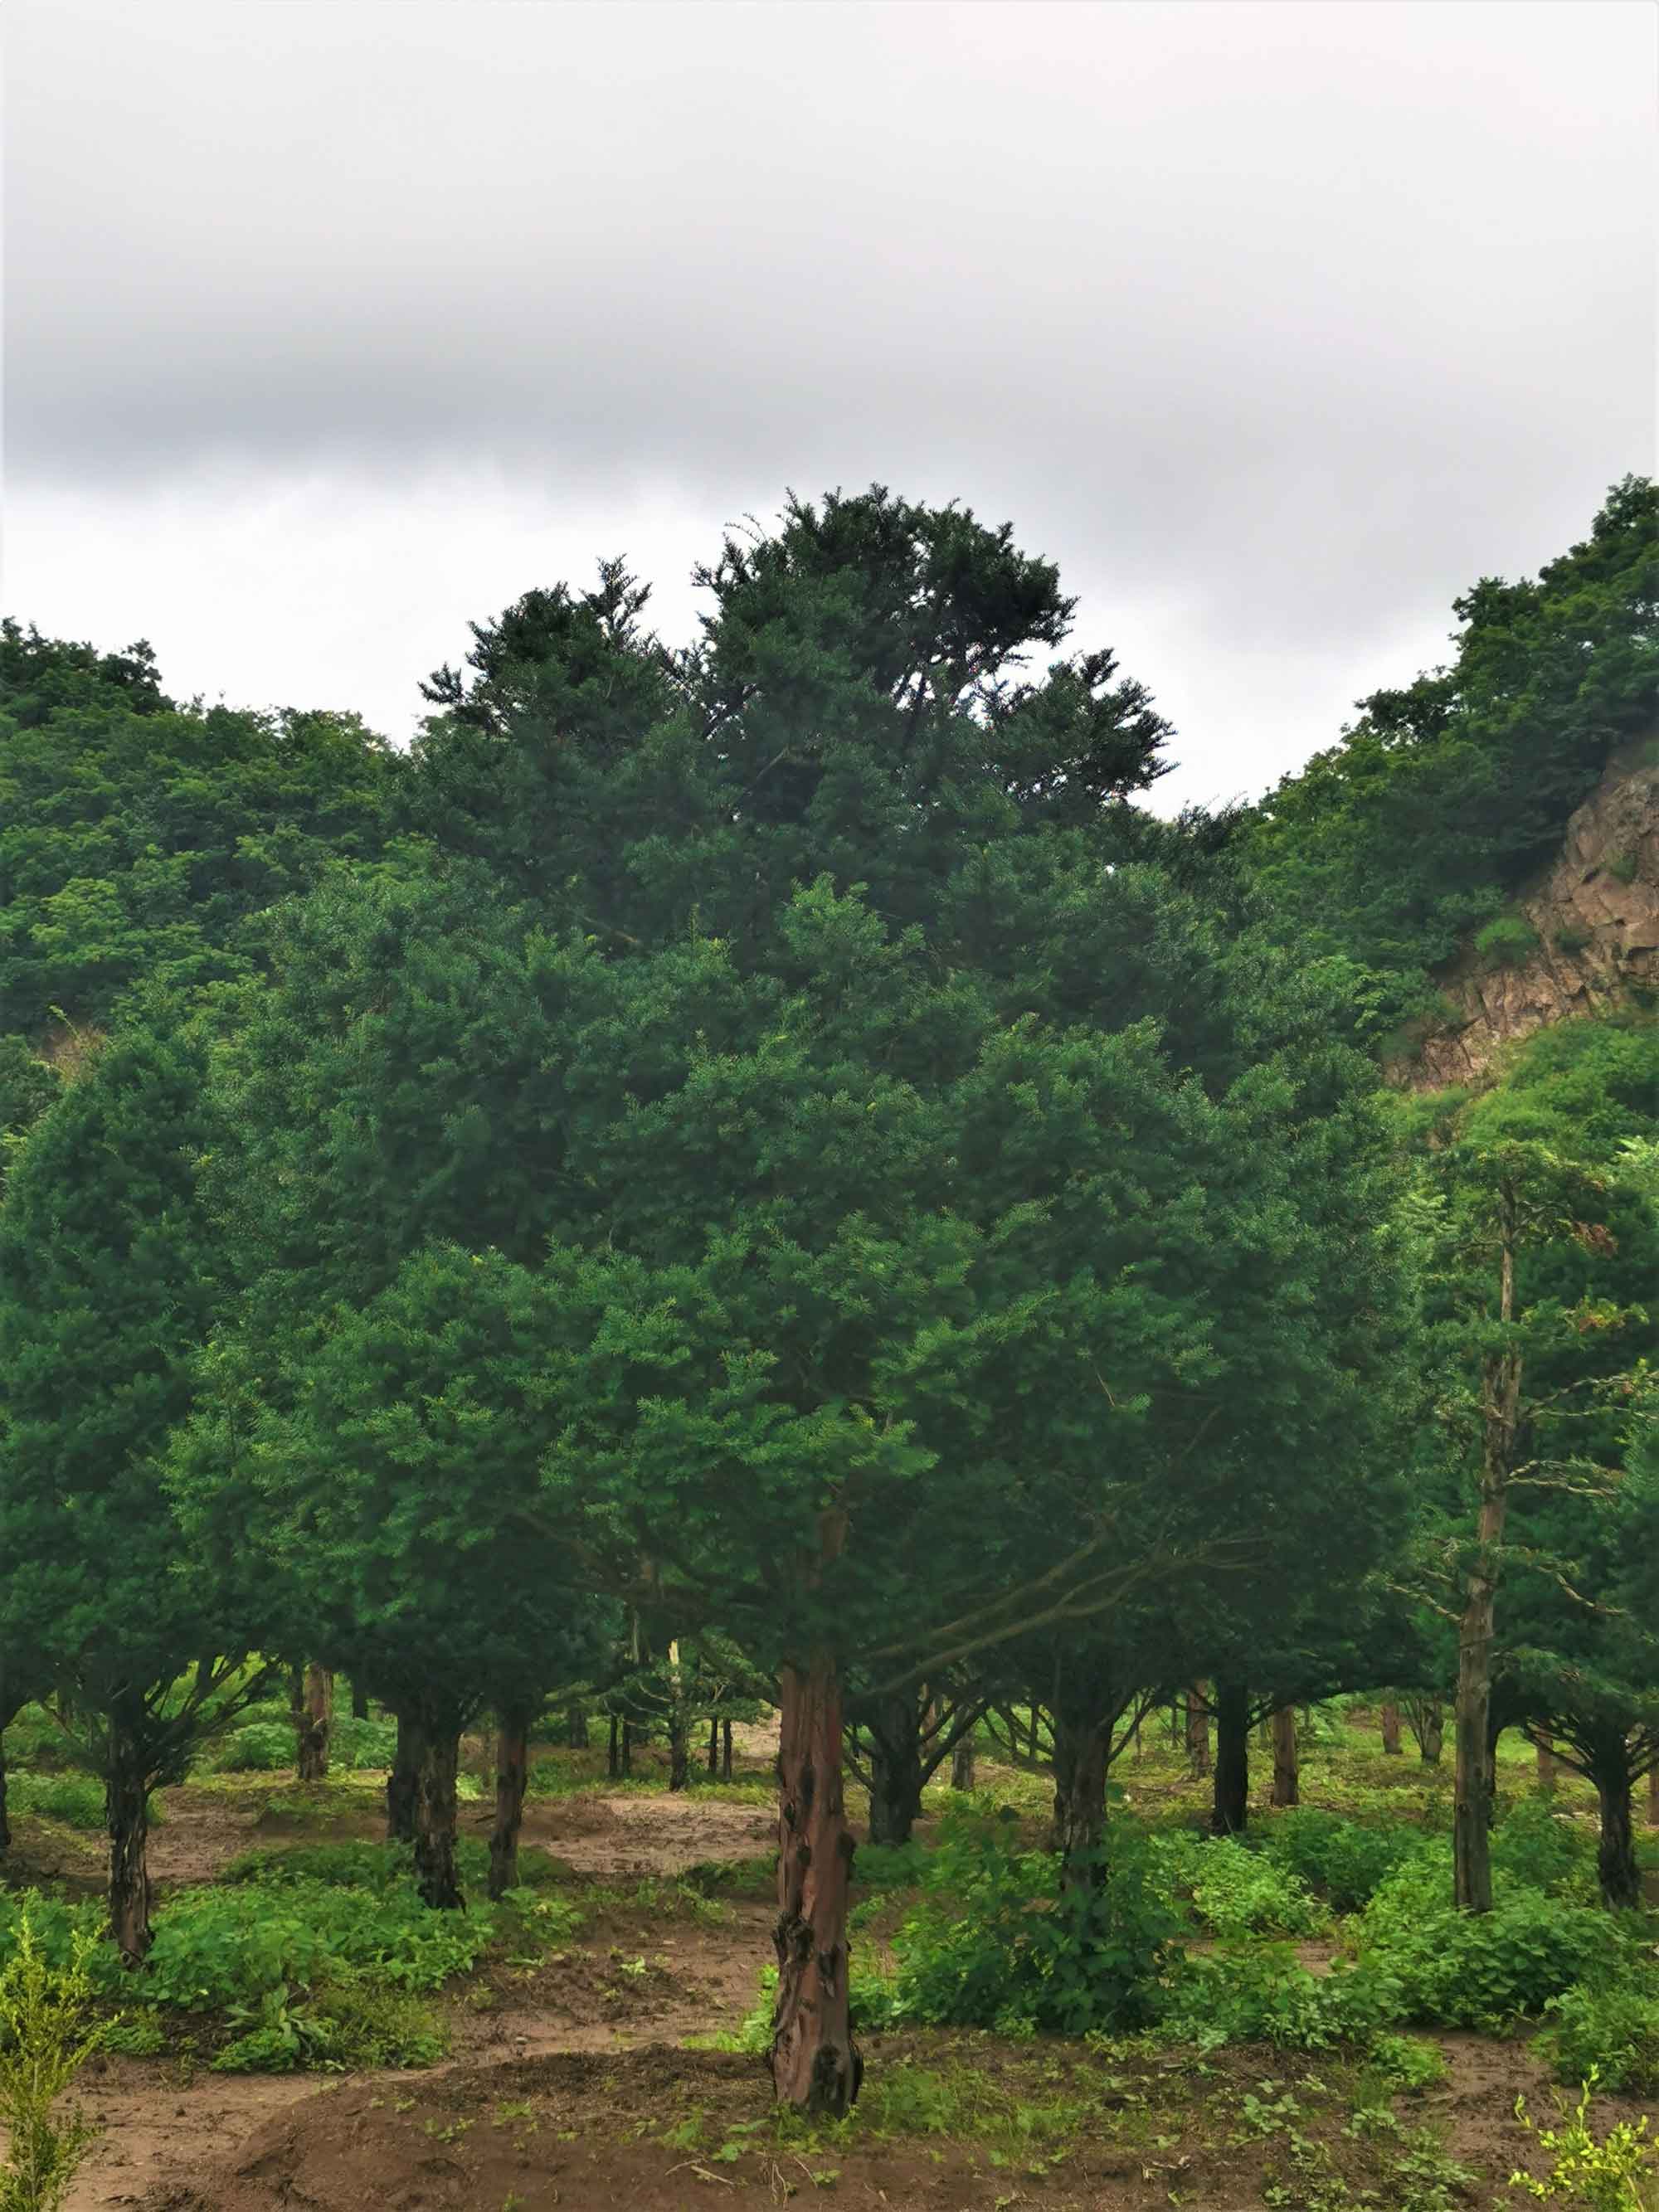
[(110, 1277)]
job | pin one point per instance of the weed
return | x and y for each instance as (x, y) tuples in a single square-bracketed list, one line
[(47, 2034), (1614, 2175)]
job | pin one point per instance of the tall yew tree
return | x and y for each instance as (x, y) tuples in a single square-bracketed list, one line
[(110, 1277)]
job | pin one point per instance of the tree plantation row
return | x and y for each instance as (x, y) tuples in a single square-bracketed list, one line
[(762, 1175)]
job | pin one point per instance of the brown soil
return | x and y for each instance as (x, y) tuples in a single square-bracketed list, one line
[(570, 2086)]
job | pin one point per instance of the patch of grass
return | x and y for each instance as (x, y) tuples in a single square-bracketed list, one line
[(76, 1799), (659, 1897)]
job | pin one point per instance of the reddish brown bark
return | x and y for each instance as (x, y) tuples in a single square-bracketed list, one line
[(1388, 1718), (815, 2065), (1287, 1779)]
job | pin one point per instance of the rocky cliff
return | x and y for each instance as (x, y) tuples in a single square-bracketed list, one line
[(1595, 913)]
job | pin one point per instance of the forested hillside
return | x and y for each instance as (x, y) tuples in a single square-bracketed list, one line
[(758, 1184)]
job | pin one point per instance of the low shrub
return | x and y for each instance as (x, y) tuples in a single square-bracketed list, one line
[(355, 1745), (348, 2023), (997, 1941), (1615, 2173), (889, 1866), (256, 1748), (1612, 2030), (1483, 1969), (76, 1799), (48, 2030), (1506, 941), (1530, 1847), (1344, 1861), (379, 1868), (1258, 1993), (1236, 1891)]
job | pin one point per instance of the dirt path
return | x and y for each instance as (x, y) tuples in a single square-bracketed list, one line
[(631, 1978)]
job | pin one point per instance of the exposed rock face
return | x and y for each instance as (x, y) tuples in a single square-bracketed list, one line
[(1596, 913)]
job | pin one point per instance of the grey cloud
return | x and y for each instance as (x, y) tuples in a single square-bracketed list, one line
[(1292, 319)]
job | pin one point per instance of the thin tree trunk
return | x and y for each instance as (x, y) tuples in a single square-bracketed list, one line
[(575, 1727), (1500, 1410), (313, 1699), (627, 1748), (1615, 1858), (435, 1820), (1286, 1789), (895, 1770), (1653, 1796), (713, 1749), (815, 2065), (613, 1764), (400, 1783), (725, 1751), (511, 1771), (1198, 1731), (1390, 1718), (1432, 1741), (126, 1807), (679, 1727), (1232, 1801), (1548, 1766), (963, 1761)]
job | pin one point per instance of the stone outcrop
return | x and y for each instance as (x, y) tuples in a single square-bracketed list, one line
[(1595, 913)]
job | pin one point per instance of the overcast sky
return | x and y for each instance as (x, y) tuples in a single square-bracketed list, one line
[(332, 323)]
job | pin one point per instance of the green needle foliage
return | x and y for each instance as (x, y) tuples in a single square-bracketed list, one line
[(48, 2033)]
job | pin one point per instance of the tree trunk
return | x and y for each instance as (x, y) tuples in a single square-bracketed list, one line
[(511, 1769), (1547, 1765), (1615, 1858), (312, 1701), (1653, 1796), (1231, 1803), (713, 1749), (1389, 1718), (1080, 1826), (627, 1768), (725, 1751), (1198, 1731), (963, 1761), (126, 1807), (400, 1783), (1285, 1776), (815, 2066), (434, 1819), (895, 1770), (679, 1724), (359, 1702), (1432, 1741), (612, 1763), (575, 1727)]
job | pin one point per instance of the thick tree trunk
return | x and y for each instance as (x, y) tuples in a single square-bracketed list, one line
[(126, 1807), (1287, 1779), (1389, 1719), (963, 1761), (725, 1751), (1080, 1826), (1232, 1801), (895, 1770), (434, 1819), (511, 1769), (1432, 1742), (400, 1783), (815, 2065), (313, 1700), (1198, 1730), (1615, 1858)]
